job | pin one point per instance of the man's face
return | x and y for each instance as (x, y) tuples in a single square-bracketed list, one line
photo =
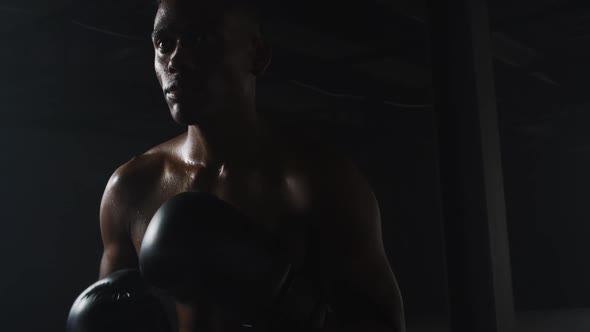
[(203, 57)]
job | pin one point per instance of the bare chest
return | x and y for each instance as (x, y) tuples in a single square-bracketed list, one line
[(269, 203)]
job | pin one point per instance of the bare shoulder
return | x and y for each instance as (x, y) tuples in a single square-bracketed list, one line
[(131, 181), (133, 176), (347, 227), (328, 175), (126, 188)]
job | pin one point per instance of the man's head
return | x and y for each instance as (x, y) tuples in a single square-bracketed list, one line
[(207, 56)]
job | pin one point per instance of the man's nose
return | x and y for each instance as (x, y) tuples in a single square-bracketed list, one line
[(181, 59)]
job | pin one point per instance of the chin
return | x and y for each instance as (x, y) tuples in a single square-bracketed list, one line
[(181, 118), (186, 116)]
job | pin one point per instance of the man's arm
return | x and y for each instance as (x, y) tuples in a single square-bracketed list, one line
[(118, 252), (364, 294)]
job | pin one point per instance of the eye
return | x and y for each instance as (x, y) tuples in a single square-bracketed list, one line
[(164, 45)]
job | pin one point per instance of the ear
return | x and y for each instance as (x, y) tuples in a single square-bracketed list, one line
[(262, 56)]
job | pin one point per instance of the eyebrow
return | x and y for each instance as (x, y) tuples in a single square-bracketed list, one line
[(165, 27), (159, 31)]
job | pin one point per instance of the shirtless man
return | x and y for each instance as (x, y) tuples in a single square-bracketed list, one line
[(208, 55)]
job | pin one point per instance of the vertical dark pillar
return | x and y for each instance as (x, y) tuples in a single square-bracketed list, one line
[(478, 260)]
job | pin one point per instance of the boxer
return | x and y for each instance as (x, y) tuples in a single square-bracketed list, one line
[(314, 203)]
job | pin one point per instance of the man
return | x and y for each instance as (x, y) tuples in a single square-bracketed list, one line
[(208, 55)]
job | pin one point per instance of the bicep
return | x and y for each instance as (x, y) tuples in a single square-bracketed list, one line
[(116, 256), (355, 264), (118, 250), (360, 278), (368, 290)]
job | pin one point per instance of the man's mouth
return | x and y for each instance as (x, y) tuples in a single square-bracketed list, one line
[(178, 89), (173, 91)]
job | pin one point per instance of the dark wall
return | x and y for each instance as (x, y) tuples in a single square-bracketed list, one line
[(547, 189)]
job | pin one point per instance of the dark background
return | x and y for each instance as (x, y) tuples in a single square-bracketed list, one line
[(78, 98)]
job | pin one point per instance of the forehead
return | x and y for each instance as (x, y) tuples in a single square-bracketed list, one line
[(186, 14)]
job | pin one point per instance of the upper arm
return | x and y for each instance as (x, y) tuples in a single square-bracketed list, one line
[(355, 265), (118, 249)]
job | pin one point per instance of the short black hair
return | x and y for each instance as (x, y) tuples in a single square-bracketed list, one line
[(254, 9)]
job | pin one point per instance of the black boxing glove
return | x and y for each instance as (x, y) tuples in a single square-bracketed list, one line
[(120, 302), (198, 247)]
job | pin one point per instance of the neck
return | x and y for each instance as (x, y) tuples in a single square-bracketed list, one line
[(220, 142)]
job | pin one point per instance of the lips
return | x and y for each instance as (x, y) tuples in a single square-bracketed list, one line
[(178, 89), (173, 90), (173, 86)]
